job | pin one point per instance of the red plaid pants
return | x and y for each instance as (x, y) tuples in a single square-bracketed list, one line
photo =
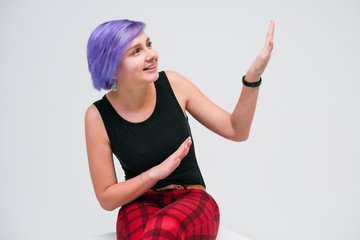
[(170, 214)]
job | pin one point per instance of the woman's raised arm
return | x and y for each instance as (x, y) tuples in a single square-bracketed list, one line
[(235, 126)]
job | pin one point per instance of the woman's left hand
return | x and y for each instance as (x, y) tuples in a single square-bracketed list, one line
[(258, 66)]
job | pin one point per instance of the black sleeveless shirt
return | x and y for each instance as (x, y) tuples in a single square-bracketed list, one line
[(141, 146)]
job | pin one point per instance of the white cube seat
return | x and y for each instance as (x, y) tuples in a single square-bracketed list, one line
[(224, 234)]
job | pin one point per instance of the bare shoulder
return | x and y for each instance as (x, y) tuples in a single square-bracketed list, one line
[(94, 126), (92, 114), (182, 88), (175, 77), (179, 83)]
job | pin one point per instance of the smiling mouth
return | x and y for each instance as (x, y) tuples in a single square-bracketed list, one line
[(149, 67)]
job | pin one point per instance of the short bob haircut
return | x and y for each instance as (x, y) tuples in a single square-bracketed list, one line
[(105, 48)]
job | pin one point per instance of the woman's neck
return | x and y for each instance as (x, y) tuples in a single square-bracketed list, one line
[(133, 98)]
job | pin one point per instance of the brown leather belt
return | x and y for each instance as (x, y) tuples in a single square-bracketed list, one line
[(179, 187)]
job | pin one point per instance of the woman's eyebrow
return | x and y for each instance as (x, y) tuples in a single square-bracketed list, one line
[(138, 45)]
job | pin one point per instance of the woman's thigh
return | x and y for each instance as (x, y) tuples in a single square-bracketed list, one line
[(193, 214), (133, 217)]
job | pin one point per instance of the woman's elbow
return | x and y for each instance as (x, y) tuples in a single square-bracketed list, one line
[(107, 207), (107, 204), (240, 137), (239, 133)]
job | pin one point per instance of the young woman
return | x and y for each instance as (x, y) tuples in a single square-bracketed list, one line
[(142, 121)]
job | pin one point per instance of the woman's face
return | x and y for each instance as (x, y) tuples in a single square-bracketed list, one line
[(139, 62)]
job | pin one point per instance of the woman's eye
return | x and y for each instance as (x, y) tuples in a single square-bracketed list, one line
[(149, 44), (135, 52)]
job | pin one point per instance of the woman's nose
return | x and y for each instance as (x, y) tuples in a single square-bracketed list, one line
[(151, 54)]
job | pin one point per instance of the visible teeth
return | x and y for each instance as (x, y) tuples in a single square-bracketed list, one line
[(151, 67)]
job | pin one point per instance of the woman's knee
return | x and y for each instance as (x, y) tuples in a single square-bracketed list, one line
[(132, 219), (167, 226)]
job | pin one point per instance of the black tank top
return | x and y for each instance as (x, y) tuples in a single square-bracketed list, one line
[(141, 146)]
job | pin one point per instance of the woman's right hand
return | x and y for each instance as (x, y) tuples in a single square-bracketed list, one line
[(165, 168)]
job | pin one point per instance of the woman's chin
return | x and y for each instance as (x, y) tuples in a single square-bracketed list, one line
[(152, 77)]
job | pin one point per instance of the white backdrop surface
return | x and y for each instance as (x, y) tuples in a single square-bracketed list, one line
[(297, 177)]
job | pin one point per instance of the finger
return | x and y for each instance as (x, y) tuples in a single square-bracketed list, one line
[(174, 164), (184, 148), (270, 34), (271, 30), (186, 143)]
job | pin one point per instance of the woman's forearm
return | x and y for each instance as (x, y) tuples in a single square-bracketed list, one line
[(124, 192), (243, 114), (119, 194)]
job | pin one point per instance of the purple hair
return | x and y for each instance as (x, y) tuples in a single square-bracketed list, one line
[(106, 46)]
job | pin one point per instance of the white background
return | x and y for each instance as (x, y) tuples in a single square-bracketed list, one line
[(297, 177)]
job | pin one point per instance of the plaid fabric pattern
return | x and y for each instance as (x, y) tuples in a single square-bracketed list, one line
[(171, 214)]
